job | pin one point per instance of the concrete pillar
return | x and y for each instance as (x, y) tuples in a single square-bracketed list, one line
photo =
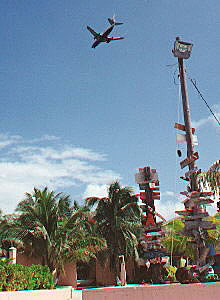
[(12, 255)]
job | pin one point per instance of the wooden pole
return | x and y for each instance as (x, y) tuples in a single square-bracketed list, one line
[(187, 120)]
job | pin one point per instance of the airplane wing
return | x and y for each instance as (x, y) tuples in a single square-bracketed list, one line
[(95, 44), (93, 31)]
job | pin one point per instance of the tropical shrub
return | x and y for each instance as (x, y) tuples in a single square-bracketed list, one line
[(18, 277)]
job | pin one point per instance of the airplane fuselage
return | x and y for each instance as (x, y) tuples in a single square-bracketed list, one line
[(104, 37)]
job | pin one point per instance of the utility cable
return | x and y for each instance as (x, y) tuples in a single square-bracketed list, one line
[(200, 94)]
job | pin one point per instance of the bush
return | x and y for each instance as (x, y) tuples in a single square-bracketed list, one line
[(3, 276), (18, 277)]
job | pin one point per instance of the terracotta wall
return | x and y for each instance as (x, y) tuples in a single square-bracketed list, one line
[(69, 278), (105, 277), (25, 260), (199, 291)]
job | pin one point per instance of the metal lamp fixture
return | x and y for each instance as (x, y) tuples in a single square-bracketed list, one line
[(182, 49)]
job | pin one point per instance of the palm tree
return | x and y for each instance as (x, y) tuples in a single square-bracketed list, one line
[(177, 243), (214, 234), (49, 228), (212, 177), (6, 223), (118, 222)]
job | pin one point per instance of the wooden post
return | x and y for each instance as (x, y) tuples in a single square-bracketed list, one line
[(12, 255), (194, 213), (187, 120), (123, 272)]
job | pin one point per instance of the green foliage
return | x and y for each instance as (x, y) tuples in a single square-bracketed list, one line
[(48, 227), (175, 241), (18, 277), (214, 234), (3, 277), (178, 244), (212, 177), (171, 273)]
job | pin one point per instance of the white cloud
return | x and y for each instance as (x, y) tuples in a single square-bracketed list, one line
[(6, 140), (44, 138), (169, 203), (96, 190), (209, 120), (24, 167), (167, 208), (168, 193), (61, 153)]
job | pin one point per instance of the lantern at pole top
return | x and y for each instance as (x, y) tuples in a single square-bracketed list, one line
[(182, 49)]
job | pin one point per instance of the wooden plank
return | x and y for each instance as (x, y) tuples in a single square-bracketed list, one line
[(154, 233), (155, 193), (193, 195), (144, 196), (185, 193), (154, 228), (198, 200), (156, 188), (197, 217), (202, 224), (187, 161), (196, 194), (188, 214), (155, 197), (190, 204), (184, 212), (151, 238), (182, 127), (153, 242), (144, 237), (190, 194), (143, 186), (153, 247), (207, 194)]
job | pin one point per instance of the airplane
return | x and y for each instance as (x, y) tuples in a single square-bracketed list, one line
[(103, 37)]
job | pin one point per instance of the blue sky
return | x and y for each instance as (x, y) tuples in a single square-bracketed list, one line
[(75, 118)]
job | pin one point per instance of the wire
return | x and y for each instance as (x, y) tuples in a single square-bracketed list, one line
[(200, 94), (174, 73)]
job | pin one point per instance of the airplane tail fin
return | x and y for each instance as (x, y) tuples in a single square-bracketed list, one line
[(113, 22)]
